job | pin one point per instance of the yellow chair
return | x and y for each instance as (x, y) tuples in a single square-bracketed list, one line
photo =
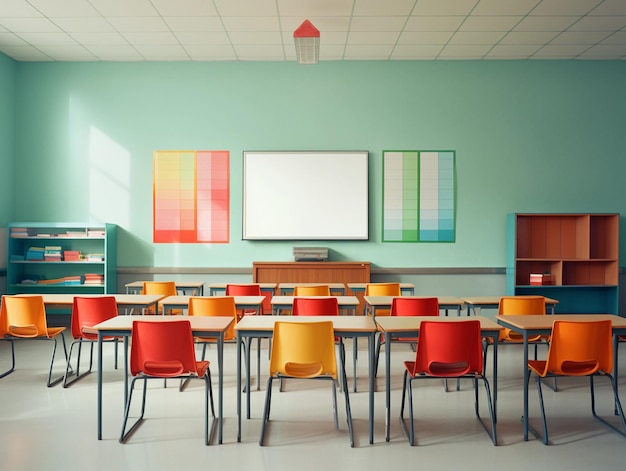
[(311, 290), (578, 349), (382, 289), (305, 350), (163, 288), (24, 317)]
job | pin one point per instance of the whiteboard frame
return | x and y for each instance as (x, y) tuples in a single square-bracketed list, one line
[(277, 202)]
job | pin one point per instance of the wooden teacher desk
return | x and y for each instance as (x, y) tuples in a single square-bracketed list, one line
[(400, 326), (373, 303), (532, 325), (474, 303), (345, 326), (206, 327), (279, 303)]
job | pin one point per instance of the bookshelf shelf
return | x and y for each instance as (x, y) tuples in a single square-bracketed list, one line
[(578, 251), (55, 258)]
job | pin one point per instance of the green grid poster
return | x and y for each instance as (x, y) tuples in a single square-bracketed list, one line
[(419, 196)]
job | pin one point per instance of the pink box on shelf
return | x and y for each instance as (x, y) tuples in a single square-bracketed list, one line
[(540, 279)]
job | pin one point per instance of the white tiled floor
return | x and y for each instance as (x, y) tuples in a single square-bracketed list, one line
[(54, 428)]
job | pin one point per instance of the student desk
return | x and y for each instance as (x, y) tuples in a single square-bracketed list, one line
[(406, 289), (216, 289), (400, 326), (286, 302), (344, 326), (373, 303), (286, 289), (191, 288), (207, 327), (124, 301), (492, 302), (241, 302), (531, 325)]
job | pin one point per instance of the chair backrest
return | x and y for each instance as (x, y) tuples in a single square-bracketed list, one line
[(303, 349), (243, 290), (165, 288), (162, 349), (580, 348), (315, 307), (214, 306), (89, 311), (410, 306), (317, 290), (23, 316), (449, 349), (521, 305), (382, 289)]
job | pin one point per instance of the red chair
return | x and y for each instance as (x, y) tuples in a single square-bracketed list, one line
[(24, 317), (578, 349), (408, 306), (87, 312), (315, 307), (244, 290), (447, 350), (165, 350)]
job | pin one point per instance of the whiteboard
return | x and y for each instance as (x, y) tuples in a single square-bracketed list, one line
[(305, 195)]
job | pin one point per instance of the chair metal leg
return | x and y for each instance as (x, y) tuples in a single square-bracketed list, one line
[(266, 409), (12, 369), (124, 435), (618, 406), (344, 380), (52, 382)]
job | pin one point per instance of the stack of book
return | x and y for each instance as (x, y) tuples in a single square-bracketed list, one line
[(66, 280), (20, 232), (71, 255), (52, 253), (95, 257), (95, 232), (94, 279), (35, 254), (76, 233)]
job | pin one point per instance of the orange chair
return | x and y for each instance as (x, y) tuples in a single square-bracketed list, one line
[(578, 349), (243, 290), (163, 288), (87, 312), (408, 306), (382, 289), (213, 306), (447, 350), (24, 317), (305, 350), (311, 290), (165, 350)]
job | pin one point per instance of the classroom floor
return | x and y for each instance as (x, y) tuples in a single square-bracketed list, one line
[(54, 428)]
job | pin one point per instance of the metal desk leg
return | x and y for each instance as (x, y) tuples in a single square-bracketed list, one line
[(525, 418), (239, 340), (372, 358), (220, 386), (100, 385), (387, 384)]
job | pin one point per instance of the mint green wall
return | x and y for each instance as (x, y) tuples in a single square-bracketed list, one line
[(530, 136), (7, 133)]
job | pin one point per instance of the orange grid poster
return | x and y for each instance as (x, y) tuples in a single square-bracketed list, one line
[(191, 196)]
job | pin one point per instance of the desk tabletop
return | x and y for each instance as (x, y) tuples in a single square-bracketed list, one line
[(288, 300), (121, 299), (198, 323), (407, 323), (340, 323), (184, 300), (538, 322), (494, 300), (222, 286), (293, 285), (385, 301)]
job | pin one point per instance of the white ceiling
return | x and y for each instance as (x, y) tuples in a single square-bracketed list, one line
[(262, 30)]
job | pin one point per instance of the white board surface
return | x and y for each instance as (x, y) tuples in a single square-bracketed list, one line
[(305, 195)]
